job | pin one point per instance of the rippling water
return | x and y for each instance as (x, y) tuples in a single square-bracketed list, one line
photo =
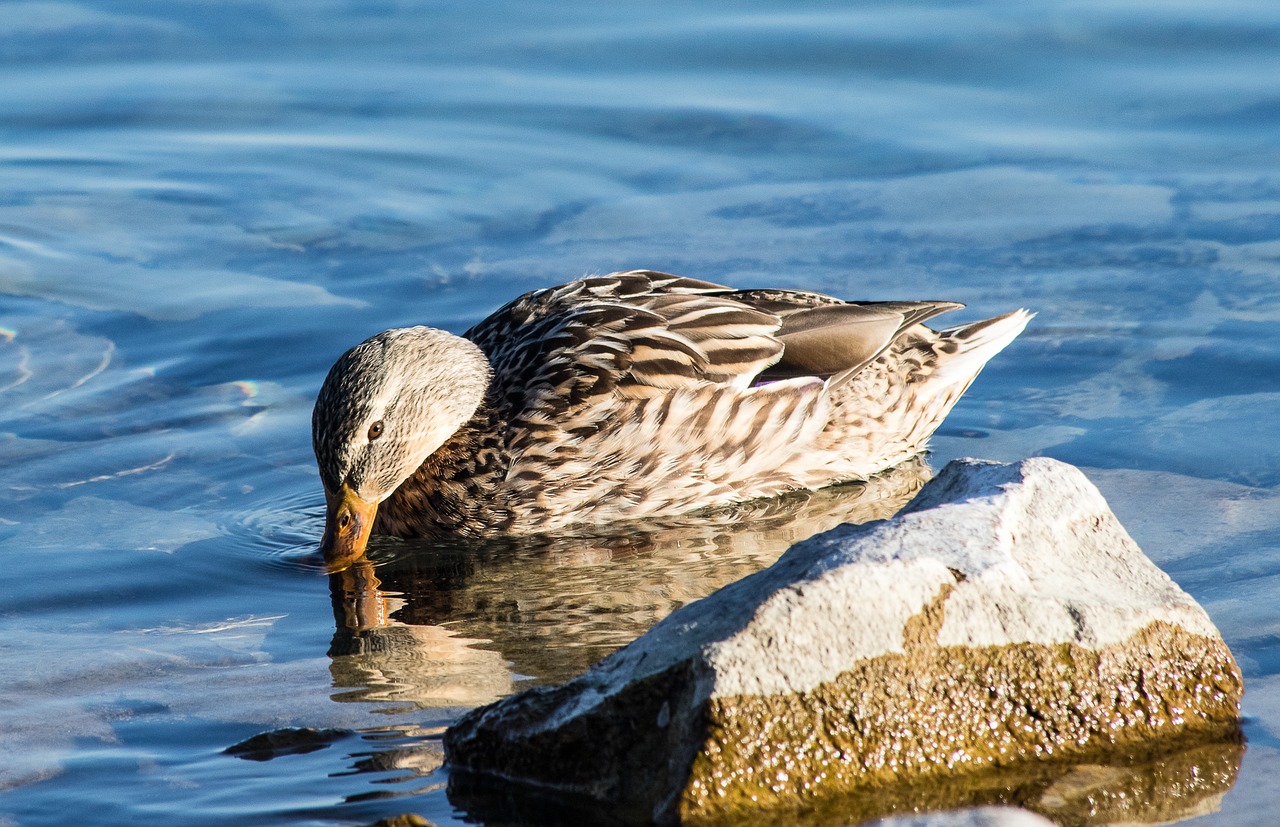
[(203, 203)]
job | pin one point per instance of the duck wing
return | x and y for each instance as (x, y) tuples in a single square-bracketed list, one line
[(632, 335), (644, 333), (826, 337)]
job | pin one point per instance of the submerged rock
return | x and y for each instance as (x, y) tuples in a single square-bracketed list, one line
[(1005, 615), (289, 741)]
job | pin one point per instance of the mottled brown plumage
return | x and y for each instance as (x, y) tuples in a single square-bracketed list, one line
[(630, 395)]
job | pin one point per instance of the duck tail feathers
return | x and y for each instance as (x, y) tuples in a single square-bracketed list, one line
[(965, 349)]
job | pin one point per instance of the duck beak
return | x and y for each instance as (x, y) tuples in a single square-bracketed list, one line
[(347, 522)]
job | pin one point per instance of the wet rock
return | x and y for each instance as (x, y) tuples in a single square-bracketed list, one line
[(1004, 617), (289, 741)]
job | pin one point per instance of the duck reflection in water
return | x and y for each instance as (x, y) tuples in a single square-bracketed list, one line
[(457, 623)]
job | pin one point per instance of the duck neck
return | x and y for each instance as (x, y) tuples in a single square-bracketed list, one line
[(454, 491)]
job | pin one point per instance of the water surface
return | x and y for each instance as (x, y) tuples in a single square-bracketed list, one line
[(202, 204)]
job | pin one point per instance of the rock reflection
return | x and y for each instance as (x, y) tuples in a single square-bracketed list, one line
[(1172, 783), (457, 624)]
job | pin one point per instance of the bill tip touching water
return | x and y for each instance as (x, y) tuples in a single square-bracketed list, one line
[(636, 394)]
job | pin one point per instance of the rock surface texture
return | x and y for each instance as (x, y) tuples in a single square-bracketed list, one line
[(1005, 616)]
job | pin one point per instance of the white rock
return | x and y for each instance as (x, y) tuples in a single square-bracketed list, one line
[(1005, 615)]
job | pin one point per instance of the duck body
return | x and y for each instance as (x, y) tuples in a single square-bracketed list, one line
[(636, 394)]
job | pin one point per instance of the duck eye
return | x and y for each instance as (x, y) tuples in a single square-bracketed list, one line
[(375, 430)]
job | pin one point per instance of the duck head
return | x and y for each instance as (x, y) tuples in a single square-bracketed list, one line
[(387, 404)]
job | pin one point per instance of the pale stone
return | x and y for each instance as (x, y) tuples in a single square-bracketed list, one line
[(1004, 616)]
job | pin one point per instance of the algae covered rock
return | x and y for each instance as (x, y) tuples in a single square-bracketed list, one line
[(1004, 617)]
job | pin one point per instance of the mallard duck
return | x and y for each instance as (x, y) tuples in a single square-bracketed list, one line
[(635, 394)]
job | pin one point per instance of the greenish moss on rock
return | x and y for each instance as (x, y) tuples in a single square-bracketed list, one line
[(937, 711)]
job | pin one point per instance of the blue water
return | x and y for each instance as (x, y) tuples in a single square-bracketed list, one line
[(203, 203)]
